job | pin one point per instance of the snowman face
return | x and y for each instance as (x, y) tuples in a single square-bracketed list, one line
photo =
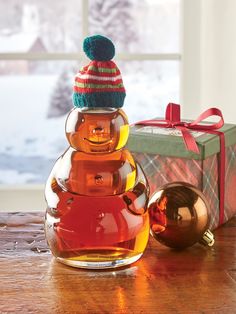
[(97, 130)]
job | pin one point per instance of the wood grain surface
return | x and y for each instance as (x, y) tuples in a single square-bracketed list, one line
[(196, 280)]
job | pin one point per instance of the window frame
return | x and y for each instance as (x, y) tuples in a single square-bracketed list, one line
[(24, 190), (191, 58)]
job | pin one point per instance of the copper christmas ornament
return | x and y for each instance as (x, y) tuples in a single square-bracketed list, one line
[(179, 216)]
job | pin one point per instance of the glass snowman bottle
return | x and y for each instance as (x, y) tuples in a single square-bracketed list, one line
[(97, 194)]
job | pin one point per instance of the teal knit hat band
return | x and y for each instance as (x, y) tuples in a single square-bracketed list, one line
[(98, 99)]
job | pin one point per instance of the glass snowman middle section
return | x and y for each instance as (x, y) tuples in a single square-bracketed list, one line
[(97, 198)]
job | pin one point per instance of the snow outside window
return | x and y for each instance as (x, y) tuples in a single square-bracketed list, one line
[(40, 51)]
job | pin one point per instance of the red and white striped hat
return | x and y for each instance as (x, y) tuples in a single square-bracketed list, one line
[(99, 84)]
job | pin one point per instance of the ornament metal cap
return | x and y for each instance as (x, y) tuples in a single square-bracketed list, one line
[(207, 238)]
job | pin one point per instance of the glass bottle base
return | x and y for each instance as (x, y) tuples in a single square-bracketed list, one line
[(97, 259)]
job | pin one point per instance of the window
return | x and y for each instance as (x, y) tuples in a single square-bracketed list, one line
[(40, 51)]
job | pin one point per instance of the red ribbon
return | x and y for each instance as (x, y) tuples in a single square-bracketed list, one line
[(173, 120)]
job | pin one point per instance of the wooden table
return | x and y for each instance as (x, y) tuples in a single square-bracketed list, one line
[(196, 280)]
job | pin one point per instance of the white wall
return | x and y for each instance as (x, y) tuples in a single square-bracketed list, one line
[(209, 57), (22, 198)]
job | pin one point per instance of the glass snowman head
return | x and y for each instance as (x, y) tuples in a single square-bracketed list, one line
[(97, 124), (97, 130)]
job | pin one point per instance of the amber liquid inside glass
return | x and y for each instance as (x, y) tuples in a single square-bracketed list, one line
[(97, 130), (97, 209), (105, 234), (97, 175)]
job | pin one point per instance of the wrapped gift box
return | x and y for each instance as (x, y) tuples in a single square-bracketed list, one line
[(164, 158)]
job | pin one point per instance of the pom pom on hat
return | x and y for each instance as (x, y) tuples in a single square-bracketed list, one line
[(99, 48), (99, 84)]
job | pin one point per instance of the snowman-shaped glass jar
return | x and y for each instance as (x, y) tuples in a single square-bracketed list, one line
[(96, 193)]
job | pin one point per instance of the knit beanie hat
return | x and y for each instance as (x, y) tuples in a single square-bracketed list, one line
[(99, 84)]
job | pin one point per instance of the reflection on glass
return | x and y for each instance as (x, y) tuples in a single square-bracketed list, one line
[(158, 215)]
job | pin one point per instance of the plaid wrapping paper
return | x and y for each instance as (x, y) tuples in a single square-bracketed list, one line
[(201, 173)]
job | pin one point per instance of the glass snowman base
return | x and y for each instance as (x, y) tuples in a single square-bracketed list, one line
[(98, 232), (101, 259)]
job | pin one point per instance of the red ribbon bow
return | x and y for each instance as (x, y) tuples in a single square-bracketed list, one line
[(173, 120)]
